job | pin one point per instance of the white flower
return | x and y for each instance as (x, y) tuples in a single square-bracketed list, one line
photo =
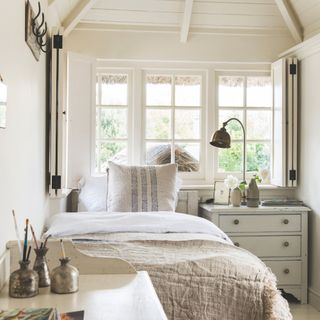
[(231, 182)]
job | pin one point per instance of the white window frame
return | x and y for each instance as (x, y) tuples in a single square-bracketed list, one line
[(100, 71), (187, 177), (221, 175)]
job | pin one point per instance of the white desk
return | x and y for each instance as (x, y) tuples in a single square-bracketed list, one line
[(110, 296)]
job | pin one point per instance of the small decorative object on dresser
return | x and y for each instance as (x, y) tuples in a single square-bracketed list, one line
[(277, 235), (64, 278), (220, 193), (253, 194), (232, 184)]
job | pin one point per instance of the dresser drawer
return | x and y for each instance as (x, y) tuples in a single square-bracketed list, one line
[(260, 223), (270, 246), (287, 272)]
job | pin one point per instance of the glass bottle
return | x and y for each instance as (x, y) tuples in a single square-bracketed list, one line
[(41, 267), (24, 282), (65, 278)]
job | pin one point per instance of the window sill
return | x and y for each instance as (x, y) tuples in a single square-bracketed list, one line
[(210, 187)]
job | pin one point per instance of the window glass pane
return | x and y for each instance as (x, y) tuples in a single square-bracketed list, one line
[(258, 124), (115, 151), (158, 90), (187, 124), (114, 89), (231, 91), (113, 123), (258, 156), (187, 156), (158, 124), (187, 91), (233, 127), (230, 160), (158, 153), (259, 92)]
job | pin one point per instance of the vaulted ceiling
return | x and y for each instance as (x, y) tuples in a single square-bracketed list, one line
[(299, 17)]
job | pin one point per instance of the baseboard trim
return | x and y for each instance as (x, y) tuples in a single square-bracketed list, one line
[(314, 298), (4, 268)]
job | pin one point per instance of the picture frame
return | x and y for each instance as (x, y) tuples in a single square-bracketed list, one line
[(3, 104), (30, 38), (221, 194)]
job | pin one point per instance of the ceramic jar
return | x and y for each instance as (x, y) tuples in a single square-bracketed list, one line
[(253, 194), (41, 267), (65, 278), (236, 197), (24, 282)]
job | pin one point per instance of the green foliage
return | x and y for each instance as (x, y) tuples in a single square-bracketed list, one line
[(258, 157)]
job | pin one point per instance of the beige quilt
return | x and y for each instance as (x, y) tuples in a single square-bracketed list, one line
[(196, 276)]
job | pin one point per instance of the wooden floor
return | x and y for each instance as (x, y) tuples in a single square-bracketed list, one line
[(304, 312)]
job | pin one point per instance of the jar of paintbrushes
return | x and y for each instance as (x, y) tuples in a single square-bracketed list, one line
[(64, 278), (24, 282), (40, 263)]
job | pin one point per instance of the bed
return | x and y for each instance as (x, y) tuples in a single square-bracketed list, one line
[(196, 270)]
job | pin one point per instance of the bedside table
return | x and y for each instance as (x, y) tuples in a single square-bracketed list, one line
[(277, 235)]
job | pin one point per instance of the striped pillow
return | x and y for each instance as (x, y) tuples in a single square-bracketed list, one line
[(141, 188)]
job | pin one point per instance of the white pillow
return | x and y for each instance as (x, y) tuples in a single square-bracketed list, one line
[(93, 194), (141, 188)]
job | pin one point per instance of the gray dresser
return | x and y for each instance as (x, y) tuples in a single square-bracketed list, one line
[(277, 235)]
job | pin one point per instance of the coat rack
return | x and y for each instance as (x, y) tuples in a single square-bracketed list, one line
[(40, 29)]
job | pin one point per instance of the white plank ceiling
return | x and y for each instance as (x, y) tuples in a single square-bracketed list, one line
[(185, 16)]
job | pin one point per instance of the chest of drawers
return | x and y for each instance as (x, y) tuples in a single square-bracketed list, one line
[(277, 235)]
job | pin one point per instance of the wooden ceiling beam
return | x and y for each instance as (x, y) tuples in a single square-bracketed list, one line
[(185, 26), (290, 19), (76, 15)]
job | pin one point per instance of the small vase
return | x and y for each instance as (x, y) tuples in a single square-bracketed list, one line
[(24, 283), (253, 194), (236, 197), (41, 267), (65, 278)]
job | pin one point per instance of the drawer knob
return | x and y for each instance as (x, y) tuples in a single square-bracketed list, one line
[(236, 221), (286, 244), (286, 271), (237, 244), (285, 221)]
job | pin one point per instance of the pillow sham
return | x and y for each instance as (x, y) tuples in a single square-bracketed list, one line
[(141, 188), (93, 194)]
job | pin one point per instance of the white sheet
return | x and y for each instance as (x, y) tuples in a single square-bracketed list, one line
[(68, 224)]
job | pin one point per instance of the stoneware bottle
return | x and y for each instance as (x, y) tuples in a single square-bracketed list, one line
[(236, 197), (65, 278), (253, 194), (24, 282), (41, 267)]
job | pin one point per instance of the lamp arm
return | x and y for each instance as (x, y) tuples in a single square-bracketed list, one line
[(244, 145)]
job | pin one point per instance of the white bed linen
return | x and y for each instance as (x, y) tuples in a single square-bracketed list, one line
[(80, 223)]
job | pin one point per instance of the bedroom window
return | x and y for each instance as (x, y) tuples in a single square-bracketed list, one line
[(173, 120), (249, 99), (112, 104)]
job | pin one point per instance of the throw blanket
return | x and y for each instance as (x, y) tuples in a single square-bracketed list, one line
[(196, 276)]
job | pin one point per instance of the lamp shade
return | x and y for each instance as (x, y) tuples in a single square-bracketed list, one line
[(221, 138)]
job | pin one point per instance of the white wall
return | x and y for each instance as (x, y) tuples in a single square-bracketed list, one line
[(166, 46), (309, 184), (22, 143)]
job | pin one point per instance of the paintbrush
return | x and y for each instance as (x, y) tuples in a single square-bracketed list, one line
[(28, 255), (62, 249), (25, 245), (17, 234), (34, 236)]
